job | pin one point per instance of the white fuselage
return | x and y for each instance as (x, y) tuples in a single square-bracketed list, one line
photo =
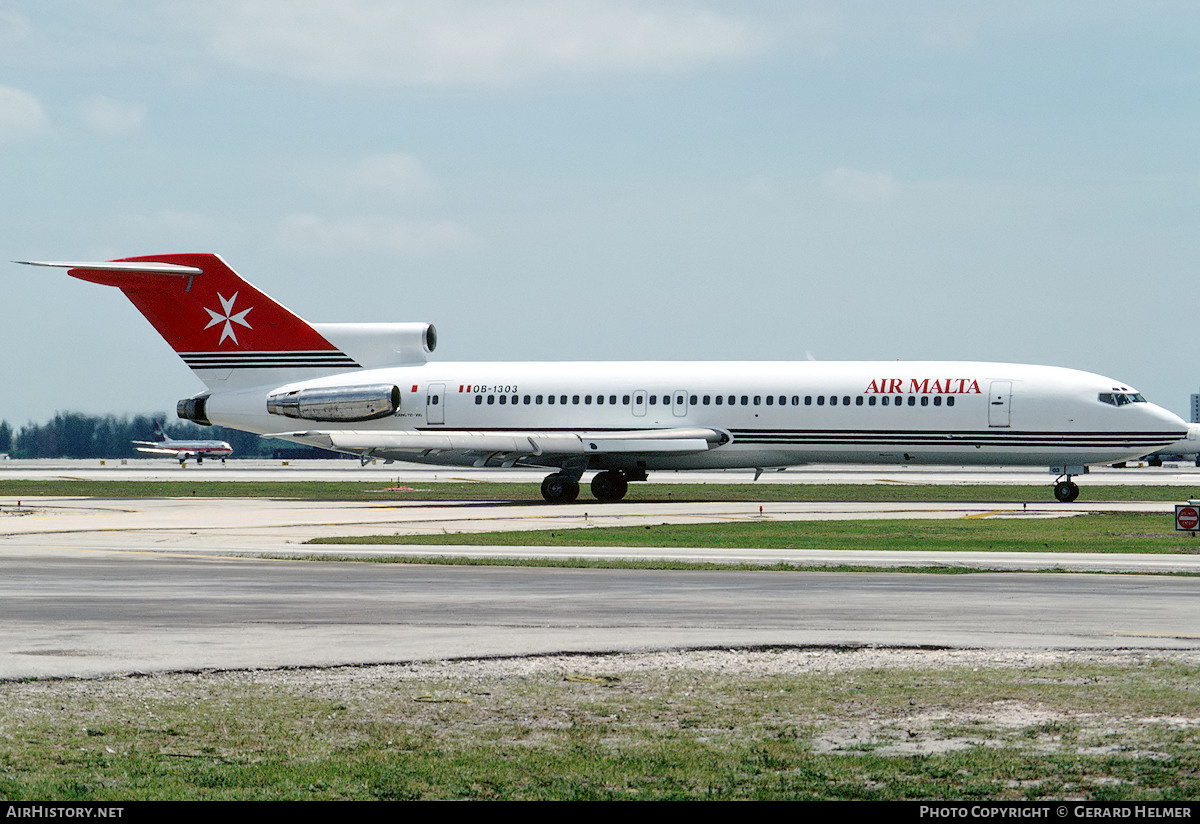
[(775, 413)]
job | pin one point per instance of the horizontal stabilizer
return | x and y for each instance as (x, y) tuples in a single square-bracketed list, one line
[(144, 267)]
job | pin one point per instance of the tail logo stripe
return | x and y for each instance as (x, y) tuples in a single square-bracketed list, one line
[(311, 359)]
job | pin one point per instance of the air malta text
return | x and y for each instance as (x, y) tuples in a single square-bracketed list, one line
[(924, 386)]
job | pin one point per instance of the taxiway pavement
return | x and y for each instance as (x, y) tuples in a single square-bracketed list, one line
[(94, 587)]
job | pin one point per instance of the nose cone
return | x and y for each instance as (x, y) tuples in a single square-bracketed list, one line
[(1158, 419)]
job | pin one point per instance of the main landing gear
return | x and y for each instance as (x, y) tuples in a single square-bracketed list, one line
[(609, 485), (559, 489)]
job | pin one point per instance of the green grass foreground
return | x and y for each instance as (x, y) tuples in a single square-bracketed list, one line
[(383, 489), (1121, 728), (1109, 532)]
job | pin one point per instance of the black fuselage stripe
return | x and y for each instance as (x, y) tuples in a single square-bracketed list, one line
[(899, 440)]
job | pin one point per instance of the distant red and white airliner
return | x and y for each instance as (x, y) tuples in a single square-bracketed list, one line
[(165, 445)]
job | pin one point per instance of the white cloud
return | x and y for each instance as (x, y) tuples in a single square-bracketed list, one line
[(374, 233), (463, 43), (21, 114), (856, 186), (14, 27), (392, 172), (951, 33), (107, 116)]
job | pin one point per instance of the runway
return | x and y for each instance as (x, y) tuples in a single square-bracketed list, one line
[(86, 614), (94, 587), (237, 469)]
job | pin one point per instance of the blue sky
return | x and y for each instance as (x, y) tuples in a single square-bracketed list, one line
[(585, 180)]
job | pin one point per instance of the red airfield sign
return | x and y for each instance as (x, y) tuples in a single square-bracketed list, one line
[(1187, 518)]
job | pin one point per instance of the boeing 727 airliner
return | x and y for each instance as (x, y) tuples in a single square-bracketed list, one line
[(369, 389)]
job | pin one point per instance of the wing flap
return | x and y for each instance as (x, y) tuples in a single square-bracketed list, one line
[(653, 441)]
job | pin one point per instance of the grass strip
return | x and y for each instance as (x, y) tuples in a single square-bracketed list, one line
[(1108, 532), (771, 724), (633, 563), (382, 489)]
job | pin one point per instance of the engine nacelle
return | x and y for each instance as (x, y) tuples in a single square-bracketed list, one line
[(194, 409), (337, 403), (378, 345)]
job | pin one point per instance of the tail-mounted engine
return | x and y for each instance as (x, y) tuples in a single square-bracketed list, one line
[(337, 403), (379, 345), (194, 409)]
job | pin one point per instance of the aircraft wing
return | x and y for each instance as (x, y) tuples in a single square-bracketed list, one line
[(158, 450), (517, 444)]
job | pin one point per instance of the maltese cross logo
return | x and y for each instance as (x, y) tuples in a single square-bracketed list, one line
[(228, 318)]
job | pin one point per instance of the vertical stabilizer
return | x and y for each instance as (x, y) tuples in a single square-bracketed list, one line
[(229, 333)]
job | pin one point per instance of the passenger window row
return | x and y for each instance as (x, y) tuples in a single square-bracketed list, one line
[(716, 400), (551, 400), (883, 400)]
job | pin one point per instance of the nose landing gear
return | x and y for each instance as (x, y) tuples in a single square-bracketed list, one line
[(1066, 491)]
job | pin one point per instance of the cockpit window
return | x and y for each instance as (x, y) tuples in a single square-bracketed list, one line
[(1121, 398)]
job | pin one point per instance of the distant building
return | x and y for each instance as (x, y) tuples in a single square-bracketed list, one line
[(1195, 409)]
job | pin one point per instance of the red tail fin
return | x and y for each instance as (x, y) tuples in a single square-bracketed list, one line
[(222, 327), (214, 311)]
